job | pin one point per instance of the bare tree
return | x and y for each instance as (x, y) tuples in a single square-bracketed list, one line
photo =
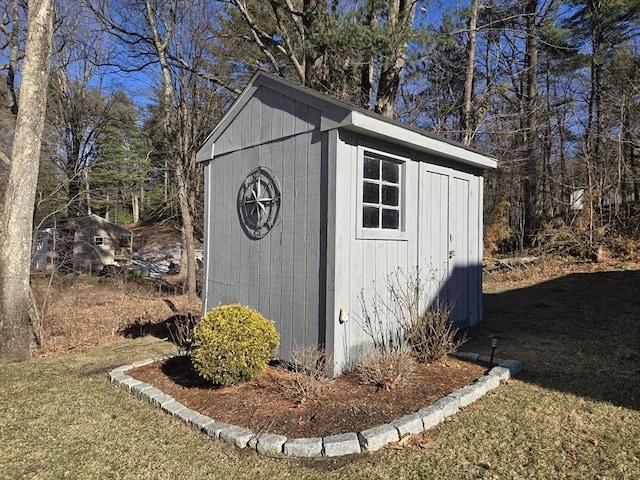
[(166, 37), (11, 52), (529, 107), (15, 241), (10, 28)]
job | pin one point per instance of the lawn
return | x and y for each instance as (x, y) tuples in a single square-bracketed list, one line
[(573, 413)]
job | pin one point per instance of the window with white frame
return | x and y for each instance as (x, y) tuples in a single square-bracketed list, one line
[(40, 242), (98, 241), (381, 193)]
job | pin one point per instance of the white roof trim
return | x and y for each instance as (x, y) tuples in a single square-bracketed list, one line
[(207, 149), (396, 133)]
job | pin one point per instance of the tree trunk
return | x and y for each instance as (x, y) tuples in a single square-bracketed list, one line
[(188, 257), (18, 205), (399, 20), (135, 207), (168, 91), (466, 129), (530, 126), (14, 44), (316, 72)]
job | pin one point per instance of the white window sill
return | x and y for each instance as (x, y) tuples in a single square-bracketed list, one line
[(381, 234)]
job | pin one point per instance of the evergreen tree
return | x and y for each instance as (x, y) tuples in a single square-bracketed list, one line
[(355, 51), (119, 172)]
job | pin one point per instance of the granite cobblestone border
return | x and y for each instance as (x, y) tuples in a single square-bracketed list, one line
[(333, 445)]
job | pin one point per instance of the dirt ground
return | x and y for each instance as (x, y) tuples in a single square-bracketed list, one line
[(345, 404)]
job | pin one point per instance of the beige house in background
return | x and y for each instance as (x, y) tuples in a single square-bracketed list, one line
[(83, 244)]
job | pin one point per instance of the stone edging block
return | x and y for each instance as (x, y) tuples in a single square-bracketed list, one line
[(303, 447), (269, 443), (237, 436), (411, 423), (333, 445), (378, 437), (342, 444), (431, 416)]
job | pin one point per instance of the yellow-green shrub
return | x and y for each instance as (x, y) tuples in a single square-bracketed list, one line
[(232, 343)]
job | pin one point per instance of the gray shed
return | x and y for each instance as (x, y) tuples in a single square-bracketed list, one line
[(310, 202)]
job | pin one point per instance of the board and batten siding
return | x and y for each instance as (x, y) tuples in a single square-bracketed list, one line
[(360, 266), (443, 228), (278, 275), (450, 226)]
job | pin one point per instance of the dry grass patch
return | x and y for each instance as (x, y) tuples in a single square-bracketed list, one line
[(78, 312)]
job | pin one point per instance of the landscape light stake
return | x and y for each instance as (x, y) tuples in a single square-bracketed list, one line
[(494, 344)]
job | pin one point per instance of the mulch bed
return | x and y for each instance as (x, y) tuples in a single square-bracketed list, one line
[(345, 405)]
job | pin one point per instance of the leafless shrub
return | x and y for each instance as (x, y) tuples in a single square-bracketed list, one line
[(310, 373), (386, 337), (36, 320), (386, 369), (181, 331), (38, 311), (422, 315), (432, 335), (410, 315)]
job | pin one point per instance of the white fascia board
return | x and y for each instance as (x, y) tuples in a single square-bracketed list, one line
[(395, 133), (206, 151)]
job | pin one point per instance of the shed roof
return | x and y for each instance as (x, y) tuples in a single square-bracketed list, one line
[(338, 114)]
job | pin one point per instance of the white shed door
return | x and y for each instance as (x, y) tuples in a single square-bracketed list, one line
[(445, 237), (458, 283)]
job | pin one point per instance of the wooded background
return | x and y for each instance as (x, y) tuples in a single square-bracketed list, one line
[(548, 87)]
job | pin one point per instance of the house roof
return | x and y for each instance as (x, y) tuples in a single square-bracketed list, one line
[(338, 114), (103, 222), (91, 218)]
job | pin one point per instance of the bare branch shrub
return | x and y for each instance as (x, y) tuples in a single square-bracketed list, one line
[(38, 311), (310, 373), (385, 337), (182, 332), (423, 317), (36, 320), (387, 369), (389, 362), (433, 336), (411, 315)]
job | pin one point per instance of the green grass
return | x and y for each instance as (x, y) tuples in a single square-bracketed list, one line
[(573, 413)]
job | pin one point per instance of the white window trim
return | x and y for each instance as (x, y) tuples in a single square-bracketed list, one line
[(379, 233), (95, 241)]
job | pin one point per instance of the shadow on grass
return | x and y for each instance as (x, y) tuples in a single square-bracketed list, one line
[(578, 334), (173, 328)]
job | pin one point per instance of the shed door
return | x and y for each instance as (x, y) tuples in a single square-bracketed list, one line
[(444, 237), (458, 283)]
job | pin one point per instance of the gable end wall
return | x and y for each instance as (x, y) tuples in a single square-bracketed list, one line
[(278, 275)]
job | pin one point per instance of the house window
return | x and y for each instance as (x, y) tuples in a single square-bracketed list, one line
[(381, 193), (98, 241), (40, 242)]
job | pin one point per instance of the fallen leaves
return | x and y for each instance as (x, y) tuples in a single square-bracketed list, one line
[(422, 440)]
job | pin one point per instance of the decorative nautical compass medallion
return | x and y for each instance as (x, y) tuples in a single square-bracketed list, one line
[(259, 202)]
